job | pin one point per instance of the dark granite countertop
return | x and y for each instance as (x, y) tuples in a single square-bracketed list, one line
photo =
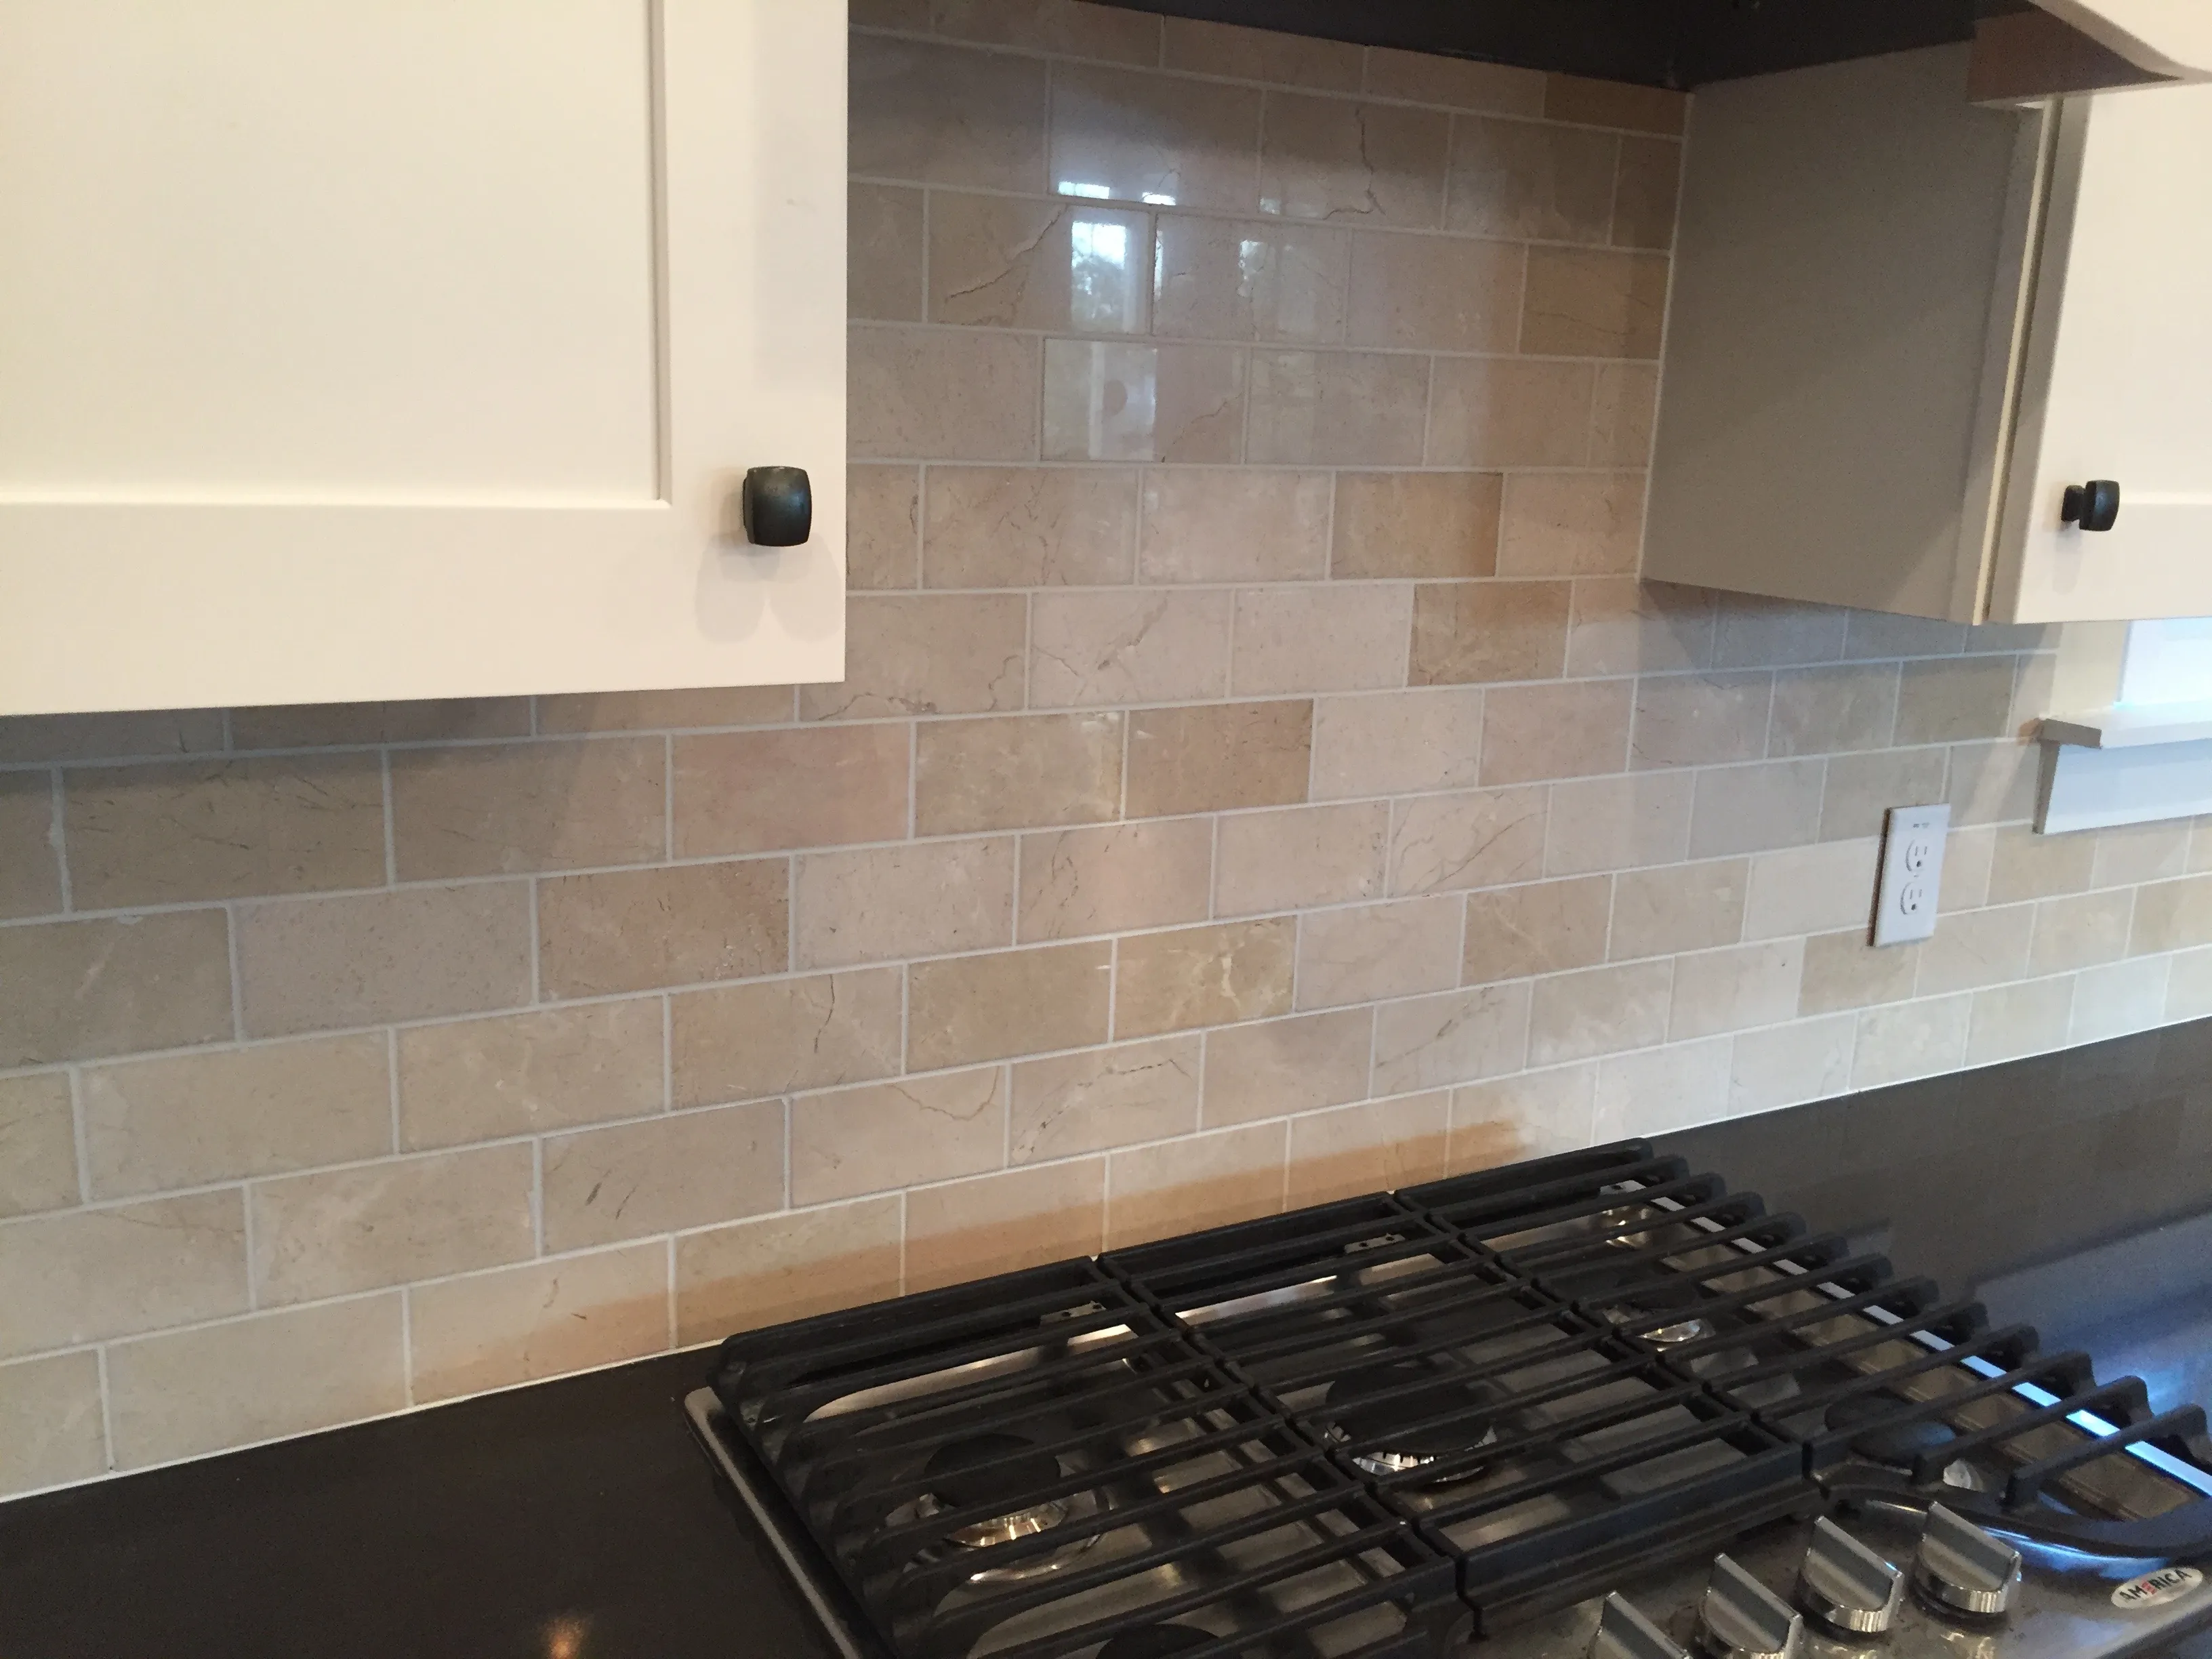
[(576, 1519)]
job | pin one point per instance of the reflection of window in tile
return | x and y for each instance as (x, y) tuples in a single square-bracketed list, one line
[(1105, 276), (1095, 192), (1098, 400), (1153, 198)]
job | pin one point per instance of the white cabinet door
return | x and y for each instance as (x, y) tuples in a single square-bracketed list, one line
[(2118, 381), (369, 348)]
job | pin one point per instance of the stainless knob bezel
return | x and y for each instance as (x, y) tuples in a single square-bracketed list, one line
[(1847, 1586), (1961, 1569), (1741, 1619)]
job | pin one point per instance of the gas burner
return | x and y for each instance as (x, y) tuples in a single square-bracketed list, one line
[(1155, 1642), (1663, 1297), (1899, 1445), (1627, 1215), (1000, 1468), (1360, 1416)]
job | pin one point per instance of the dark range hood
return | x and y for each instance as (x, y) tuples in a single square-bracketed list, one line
[(1661, 43)]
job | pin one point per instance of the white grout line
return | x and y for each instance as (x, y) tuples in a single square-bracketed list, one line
[(79, 1134), (107, 1409), (58, 838)]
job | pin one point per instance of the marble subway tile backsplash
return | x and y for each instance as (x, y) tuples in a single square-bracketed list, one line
[(1260, 778)]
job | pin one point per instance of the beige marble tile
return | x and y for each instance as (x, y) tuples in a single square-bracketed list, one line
[(1416, 523), (1809, 1060), (1622, 626), (1684, 907), (1546, 1111), (1216, 279), (1218, 756), (193, 1120), (928, 899), (2010, 1021), (1115, 877), (743, 1042), (303, 725), (1945, 699), (1337, 408), (1571, 729), (1732, 989), (50, 1421), (1910, 1039), (1204, 524), (2027, 865), (997, 1223), (2118, 999), (1109, 401), (762, 1273), (1368, 952), (134, 735), (926, 653), (1862, 788), (2139, 853), (1842, 970), (1757, 808), (544, 1319), (38, 1144), (265, 1378), (1294, 60), (1063, 266), (1624, 414), (945, 115), (1360, 1149), (1812, 890), (1539, 928), (1530, 181), (953, 395), (1150, 646), (662, 1175), (503, 810), (884, 253), (1823, 711), (1585, 303), (1029, 527), (30, 862), (483, 1080), (1619, 823), (1337, 636), (1072, 28), (1612, 104), (1510, 411), (206, 830), (1434, 293), (1282, 1066), (1676, 1087), (1430, 1042), (1108, 1097), (759, 792), (1598, 1011), (885, 1135), (1647, 193), (81, 989), (1003, 774), (1212, 975), (1424, 77), (1887, 633), (342, 1231), (737, 705), (1992, 782), (964, 1009), (1145, 137), (1198, 1181), (82, 1276), (2172, 915), (883, 537), (641, 930), (1572, 524), (1482, 838), (1699, 720), (1759, 633), (1298, 857), (1471, 632), (2079, 932), (1968, 855), (1397, 742), (1370, 164)]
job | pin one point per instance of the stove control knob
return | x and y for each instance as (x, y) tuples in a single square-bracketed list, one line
[(1961, 1569), (1845, 1585), (1742, 1619), (1624, 1633)]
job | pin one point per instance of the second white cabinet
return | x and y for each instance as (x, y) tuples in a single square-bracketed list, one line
[(1904, 327)]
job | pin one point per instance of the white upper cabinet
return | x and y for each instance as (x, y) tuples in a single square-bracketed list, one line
[(360, 350), (1903, 326)]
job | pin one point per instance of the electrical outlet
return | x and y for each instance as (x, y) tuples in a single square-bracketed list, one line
[(1912, 875)]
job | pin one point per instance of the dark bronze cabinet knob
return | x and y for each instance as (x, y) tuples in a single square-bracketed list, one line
[(779, 505), (2094, 505)]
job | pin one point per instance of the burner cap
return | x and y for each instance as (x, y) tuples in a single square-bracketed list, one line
[(1896, 1444), (958, 1477), (1155, 1642), (1359, 1416)]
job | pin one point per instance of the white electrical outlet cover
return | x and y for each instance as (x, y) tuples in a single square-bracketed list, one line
[(1912, 875)]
